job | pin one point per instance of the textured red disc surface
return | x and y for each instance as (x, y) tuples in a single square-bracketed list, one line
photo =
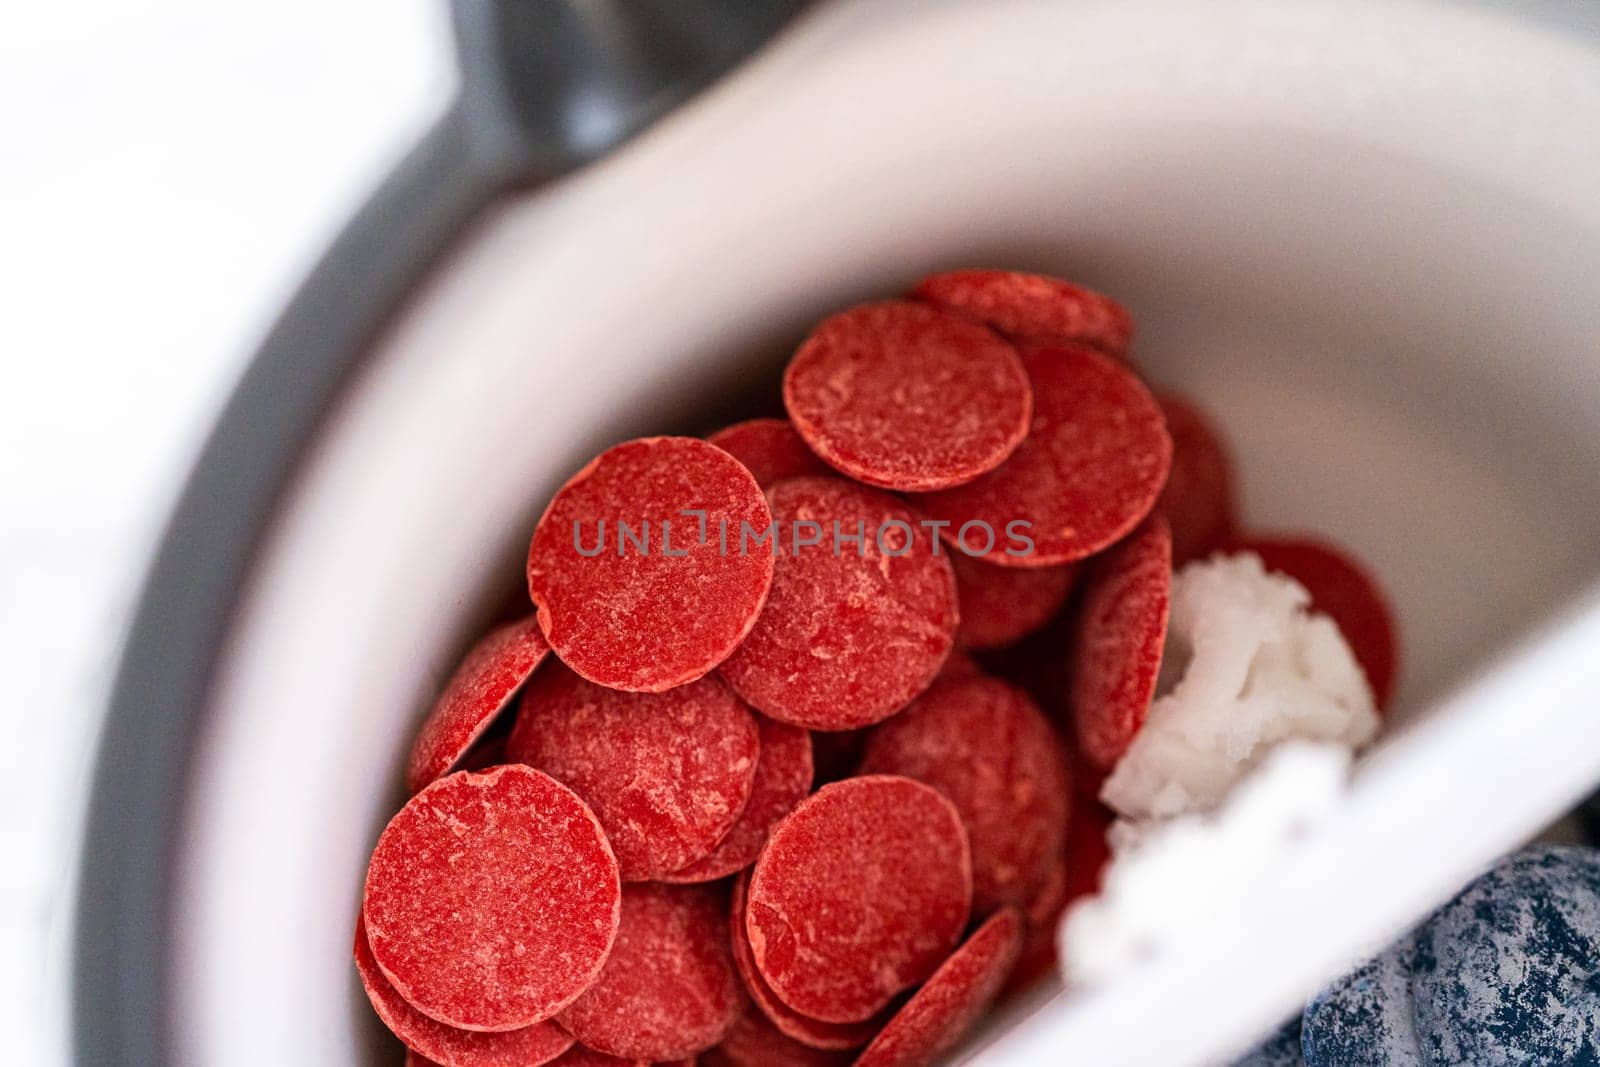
[(669, 989), (770, 448), (666, 773), (1343, 590), (1198, 501), (905, 396), (986, 747), (783, 778), (940, 1013), (474, 696), (1031, 307), (755, 1042), (813, 1033), (492, 899), (1091, 468), (692, 600), (1000, 605), (445, 1045), (1116, 650), (846, 638), (860, 893)]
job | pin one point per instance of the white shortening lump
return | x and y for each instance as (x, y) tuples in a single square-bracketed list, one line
[(1246, 667)]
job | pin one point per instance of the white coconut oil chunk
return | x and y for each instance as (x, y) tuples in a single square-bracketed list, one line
[(1247, 666)]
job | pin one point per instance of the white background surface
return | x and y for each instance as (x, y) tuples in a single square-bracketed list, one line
[(167, 171)]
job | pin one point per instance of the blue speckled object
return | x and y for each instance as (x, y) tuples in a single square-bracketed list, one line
[(1366, 1018), (1282, 1049), (1509, 971)]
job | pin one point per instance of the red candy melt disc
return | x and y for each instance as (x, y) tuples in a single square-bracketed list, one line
[(860, 893), (474, 697), (905, 396), (445, 1045), (858, 623), (940, 1013), (1031, 307), (1091, 468), (667, 774), (770, 448), (492, 899), (1000, 605), (990, 751), (1116, 652), (755, 1042), (630, 594), (1198, 499), (813, 1033), (669, 989), (783, 778), (1343, 590)]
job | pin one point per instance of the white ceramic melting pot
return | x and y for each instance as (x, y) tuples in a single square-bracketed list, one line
[(1367, 236)]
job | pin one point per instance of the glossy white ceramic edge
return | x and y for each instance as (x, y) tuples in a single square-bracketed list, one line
[(778, 194)]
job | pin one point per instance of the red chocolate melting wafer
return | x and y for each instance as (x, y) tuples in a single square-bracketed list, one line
[(1198, 500), (479, 690), (1000, 605), (770, 448), (940, 1013), (445, 1045), (1343, 590), (667, 774), (783, 778), (860, 619), (813, 1033), (669, 989), (860, 893), (990, 751), (1091, 468), (492, 899), (634, 544), (944, 1010), (1116, 650), (1031, 307), (904, 396)]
